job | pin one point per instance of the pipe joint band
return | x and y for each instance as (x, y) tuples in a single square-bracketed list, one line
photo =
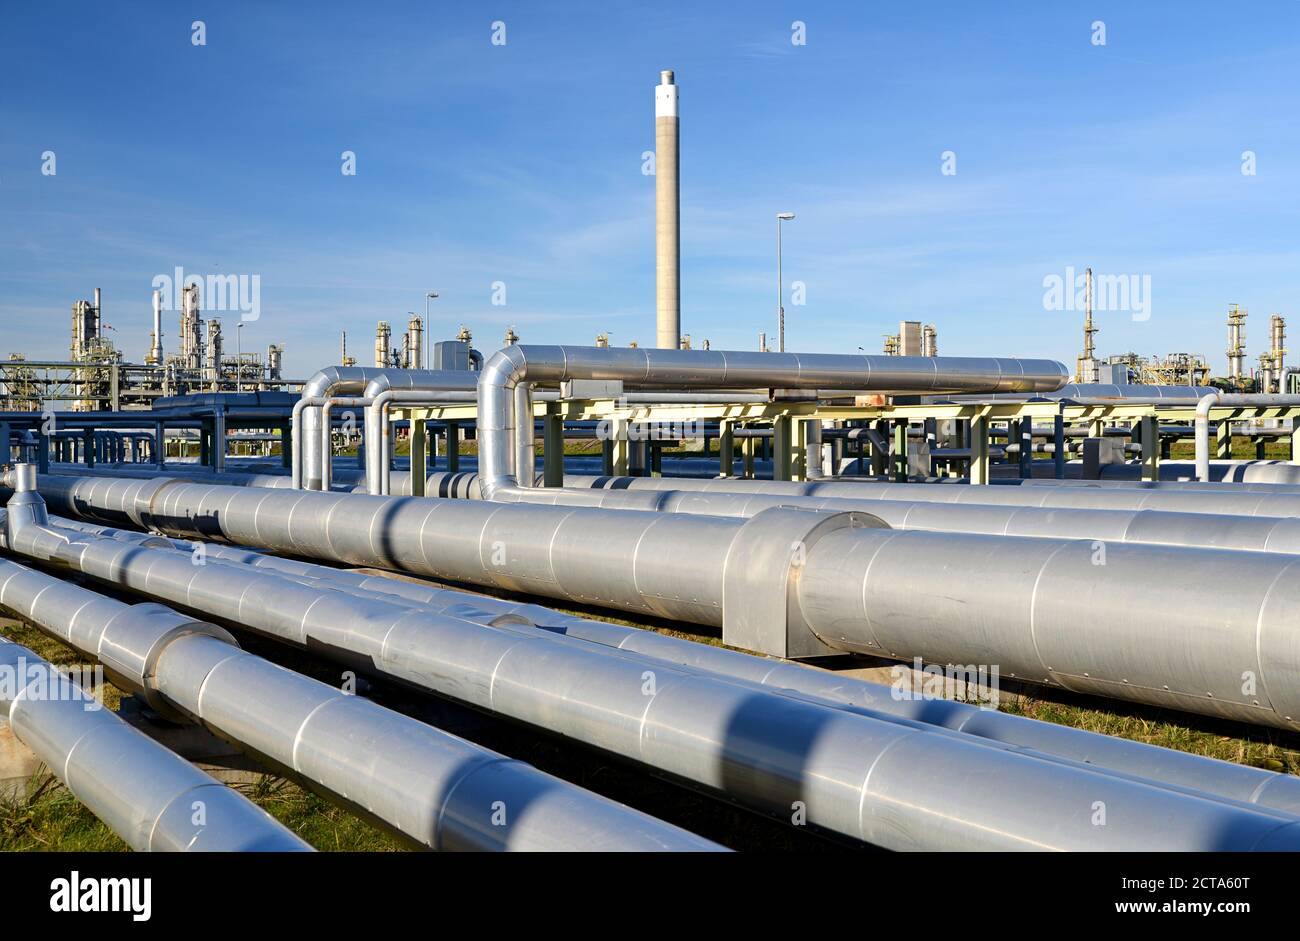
[(760, 608), (133, 641)]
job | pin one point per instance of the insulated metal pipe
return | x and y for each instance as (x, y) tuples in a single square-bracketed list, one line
[(1160, 527), (1181, 769), (1236, 782), (151, 797), (846, 771), (380, 404), (1227, 500), (1237, 480), (333, 380), (525, 452), (1186, 774), (1006, 601), (1232, 649), (721, 370), (429, 381), (1222, 400), (1130, 393), (437, 789), (327, 432)]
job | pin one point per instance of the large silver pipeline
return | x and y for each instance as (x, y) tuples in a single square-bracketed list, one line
[(1225, 500), (1236, 782), (146, 794), (845, 770), (1159, 527), (439, 790), (800, 583), (684, 369), (1097, 392), (1144, 764), (1238, 478)]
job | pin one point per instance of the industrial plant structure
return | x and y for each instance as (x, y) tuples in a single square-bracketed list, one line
[(96, 376), (1189, 369), (982, 520)]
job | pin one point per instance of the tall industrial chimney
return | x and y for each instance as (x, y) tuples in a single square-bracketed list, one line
[(668, 295)]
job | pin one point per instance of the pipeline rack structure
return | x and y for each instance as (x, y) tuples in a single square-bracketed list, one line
[(977, 517)]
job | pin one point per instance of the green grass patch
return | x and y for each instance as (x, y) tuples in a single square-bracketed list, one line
[(1259, 748)]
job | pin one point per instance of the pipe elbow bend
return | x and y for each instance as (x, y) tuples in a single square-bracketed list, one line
[(504, 368)]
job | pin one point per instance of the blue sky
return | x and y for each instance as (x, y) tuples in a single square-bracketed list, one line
[(522, 163)]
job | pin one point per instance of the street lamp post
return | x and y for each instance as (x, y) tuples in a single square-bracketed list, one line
[(780, 283), (430, 295)]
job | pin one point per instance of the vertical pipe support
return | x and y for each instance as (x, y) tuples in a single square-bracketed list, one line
[(899, 451), (452, 429), (620, 456), (553, 446), (979, 450), (1058, 446), (1026, 439), (1150, 431), (1223, 440), (419, 455), (798, 446), (781, 447), (726, 445)]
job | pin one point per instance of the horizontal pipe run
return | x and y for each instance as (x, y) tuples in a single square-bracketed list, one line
[(587, 695), (687, 369), (1224, 779), (1006, 601), (1228, 500), (577, 719), (152, 798), (1157, 527), (437, 789), (1220, 778)]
